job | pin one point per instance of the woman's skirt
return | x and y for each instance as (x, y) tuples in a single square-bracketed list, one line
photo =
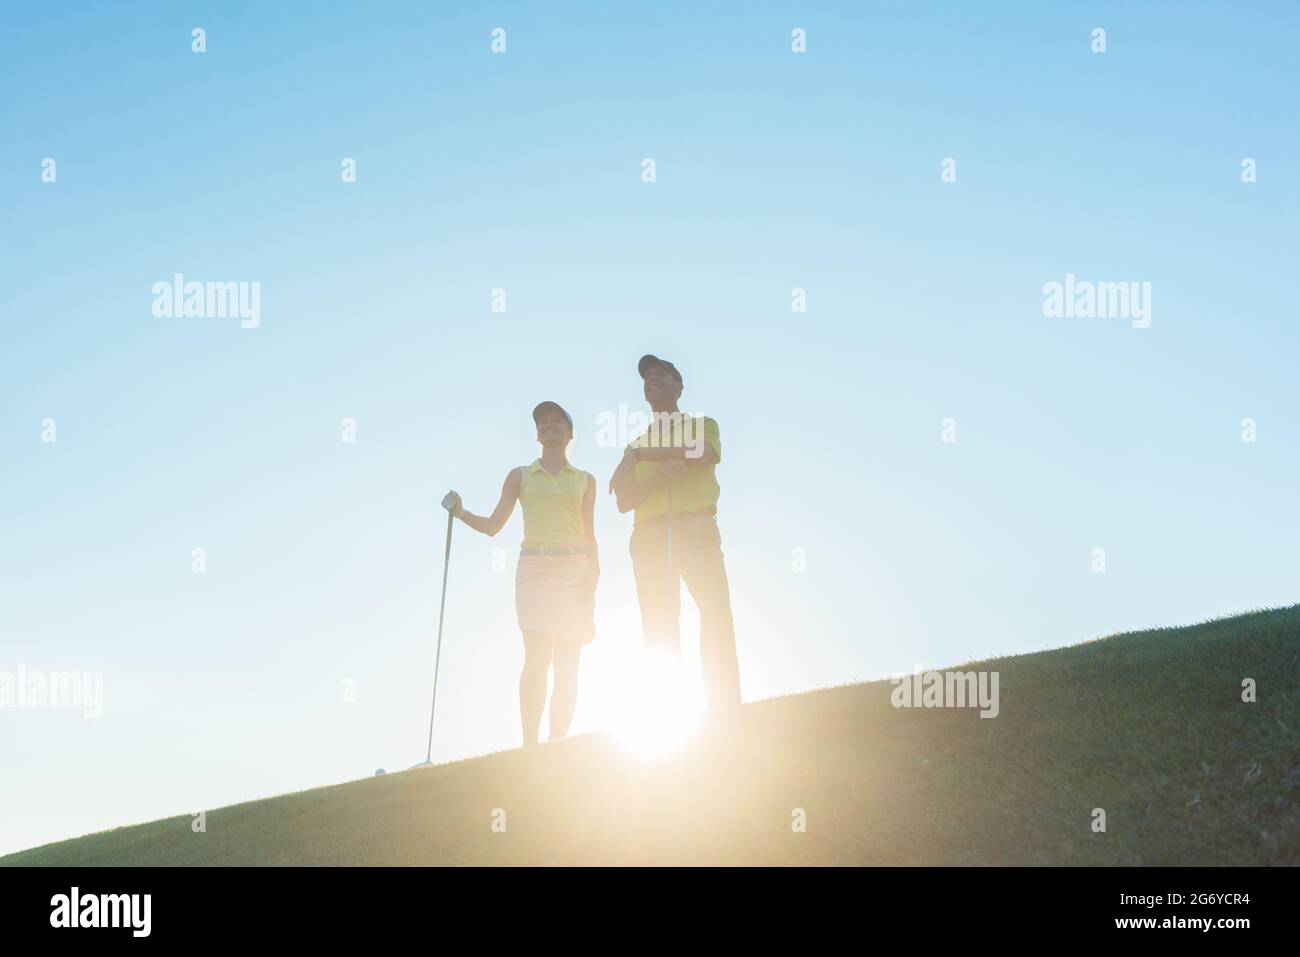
[(552, 594)]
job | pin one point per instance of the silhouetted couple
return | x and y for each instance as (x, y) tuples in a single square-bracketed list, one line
[(666, 476)]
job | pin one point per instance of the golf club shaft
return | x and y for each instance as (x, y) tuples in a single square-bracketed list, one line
[(442, 610), (670, 535)]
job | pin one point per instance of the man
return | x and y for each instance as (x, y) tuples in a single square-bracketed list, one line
[(667, 476)]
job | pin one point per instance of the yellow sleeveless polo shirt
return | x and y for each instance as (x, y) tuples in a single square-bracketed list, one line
[(552, 505)]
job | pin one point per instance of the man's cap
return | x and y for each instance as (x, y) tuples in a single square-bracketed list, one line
[(548, 406), (648, 362)]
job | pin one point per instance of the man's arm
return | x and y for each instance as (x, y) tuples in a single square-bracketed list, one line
[(708, 455), (621, 481), (589, 531), (705, 447), (491, 524), (629, 492), (672, 461)]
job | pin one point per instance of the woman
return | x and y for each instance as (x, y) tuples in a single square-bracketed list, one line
[(555, 583)]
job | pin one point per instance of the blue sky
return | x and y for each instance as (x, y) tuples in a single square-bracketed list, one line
[(522, 171)]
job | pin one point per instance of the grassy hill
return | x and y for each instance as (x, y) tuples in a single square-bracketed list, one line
[(1149, 726)]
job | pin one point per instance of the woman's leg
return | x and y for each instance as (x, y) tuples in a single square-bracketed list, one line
[(564, 696), (532, 682)]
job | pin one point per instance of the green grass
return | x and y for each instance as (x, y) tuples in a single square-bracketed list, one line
[(1149, 726)]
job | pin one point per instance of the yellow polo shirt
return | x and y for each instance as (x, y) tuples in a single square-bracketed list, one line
[(697, 489), (552, 505)]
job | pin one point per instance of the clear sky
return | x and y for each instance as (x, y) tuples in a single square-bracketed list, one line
[(523, 171)]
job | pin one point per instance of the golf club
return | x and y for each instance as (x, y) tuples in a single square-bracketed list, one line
[(442, 610)]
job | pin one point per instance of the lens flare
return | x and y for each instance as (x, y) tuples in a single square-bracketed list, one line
[(661, 709)]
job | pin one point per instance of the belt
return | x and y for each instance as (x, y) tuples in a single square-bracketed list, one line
[(555, 550), (670, 517)]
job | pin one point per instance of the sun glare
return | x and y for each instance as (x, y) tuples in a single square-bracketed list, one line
[(660, 710)]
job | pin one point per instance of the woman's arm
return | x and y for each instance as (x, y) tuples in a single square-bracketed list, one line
[(491, 524)]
